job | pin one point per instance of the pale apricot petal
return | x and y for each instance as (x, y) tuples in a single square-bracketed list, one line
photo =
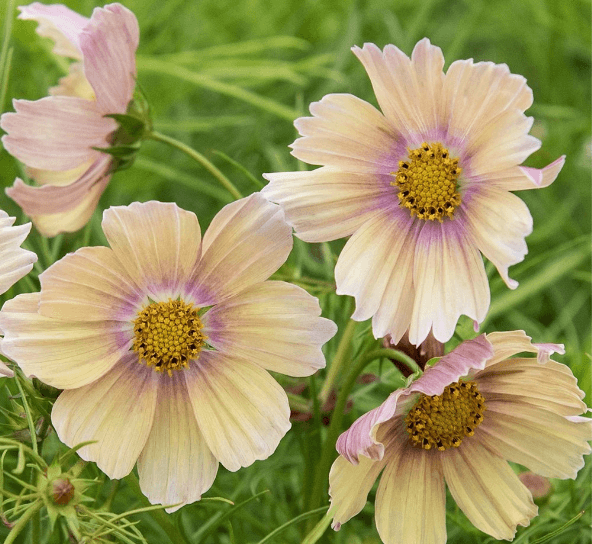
[(327, 204), (89, 285), (108, 44), (64, 354), (5, 372), (246, 242), (117, 411), (487, 490), (58, 177), (60, 24), (176, 465), (15, 262), (241, 410), (411, 498), (449, 280), (74, 84), (506, 344), (157, 244), (273, 324)]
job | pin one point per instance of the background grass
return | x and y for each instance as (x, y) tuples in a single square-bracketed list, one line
[(286, 55)]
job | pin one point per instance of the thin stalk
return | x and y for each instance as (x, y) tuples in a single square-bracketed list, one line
[(198, 157), (22, 522), (28, 415), (338, 361)]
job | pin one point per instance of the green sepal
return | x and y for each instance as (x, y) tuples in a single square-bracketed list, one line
[(130, 128)]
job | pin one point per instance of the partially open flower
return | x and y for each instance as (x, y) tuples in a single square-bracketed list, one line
[(55, 136), (163, 342), (423, 187), (458, 423)]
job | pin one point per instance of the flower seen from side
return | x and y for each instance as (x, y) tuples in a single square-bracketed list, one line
[(478, 406), (55, 136), (163, 341), (422, 187)]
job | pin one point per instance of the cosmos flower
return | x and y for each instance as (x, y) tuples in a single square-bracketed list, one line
[(423, 187), (162, 343), (477, 407), (55, 136)]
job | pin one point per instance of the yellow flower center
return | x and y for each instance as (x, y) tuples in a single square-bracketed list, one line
[(442, 421), (427, 182), (168, 335)]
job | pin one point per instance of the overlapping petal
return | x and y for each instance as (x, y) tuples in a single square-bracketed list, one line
[(15, 262)]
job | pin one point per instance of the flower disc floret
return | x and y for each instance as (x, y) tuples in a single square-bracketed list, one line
[(427, 182), (168, 335), (442, 421)]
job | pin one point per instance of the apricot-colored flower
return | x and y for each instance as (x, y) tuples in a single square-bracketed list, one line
[(423, 187), (458, 423), (162, 343), (55, 136)]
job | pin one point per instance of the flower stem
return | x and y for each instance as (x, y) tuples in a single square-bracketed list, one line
[(23, 520), (198, 157)]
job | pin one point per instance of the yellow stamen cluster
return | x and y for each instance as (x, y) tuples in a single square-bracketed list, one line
[(442, 421), (427, 182), (168, 335)]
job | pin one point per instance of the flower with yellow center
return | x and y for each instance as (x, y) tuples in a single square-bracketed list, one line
[(422, 188), (457, 424), (163, 341)]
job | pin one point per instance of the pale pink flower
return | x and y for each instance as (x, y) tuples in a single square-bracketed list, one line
[(163, 342), (55, 136), (442, 428), (420, 218)]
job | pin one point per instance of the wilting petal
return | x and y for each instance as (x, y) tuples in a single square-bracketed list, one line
[(498, 222), (58, 23), (487, 490), (116, 410), (241, 410), (327, 204), (157, 243), (349, 486), (89, 285), (375, 267), (273, 324), (56, 132), (246, 242), (64, 354), (176, 465), (449, 279), (109, 44), (411, 499), (15, 262), (506, 344), (346, 133)]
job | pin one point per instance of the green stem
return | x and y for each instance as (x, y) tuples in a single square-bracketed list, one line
[(22, 522), (198, 157), (158, 516), (28, 415)]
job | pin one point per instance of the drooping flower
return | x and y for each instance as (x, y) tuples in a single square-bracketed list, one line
[(162, 343), (55, 136), (423, 187), (477, 407)]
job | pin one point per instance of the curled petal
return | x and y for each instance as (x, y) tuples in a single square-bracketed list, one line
[(15, 262)]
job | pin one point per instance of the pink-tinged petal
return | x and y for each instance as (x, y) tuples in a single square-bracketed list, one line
[(273, 324), (541, 440), (157, 243), (522, 178), (56, 132), (362, 437), (507, 344), (375, 267), (5, 372), (327, 204), (58, 177), (349, 486), (109, 44), (75, 218), (176, 465), (347, 133), (241, 410), (449, 279), (246, 242), (64, 354), (74, 84), (407, 90), (116, 410), (60, 24), (89, 285), (411, 499), (15, 262), (498, 222), (546, 350), (487, 490)]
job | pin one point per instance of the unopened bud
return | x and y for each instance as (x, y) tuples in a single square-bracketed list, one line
[(62, 491)]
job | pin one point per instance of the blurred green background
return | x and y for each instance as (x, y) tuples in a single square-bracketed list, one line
[(229, 76)]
